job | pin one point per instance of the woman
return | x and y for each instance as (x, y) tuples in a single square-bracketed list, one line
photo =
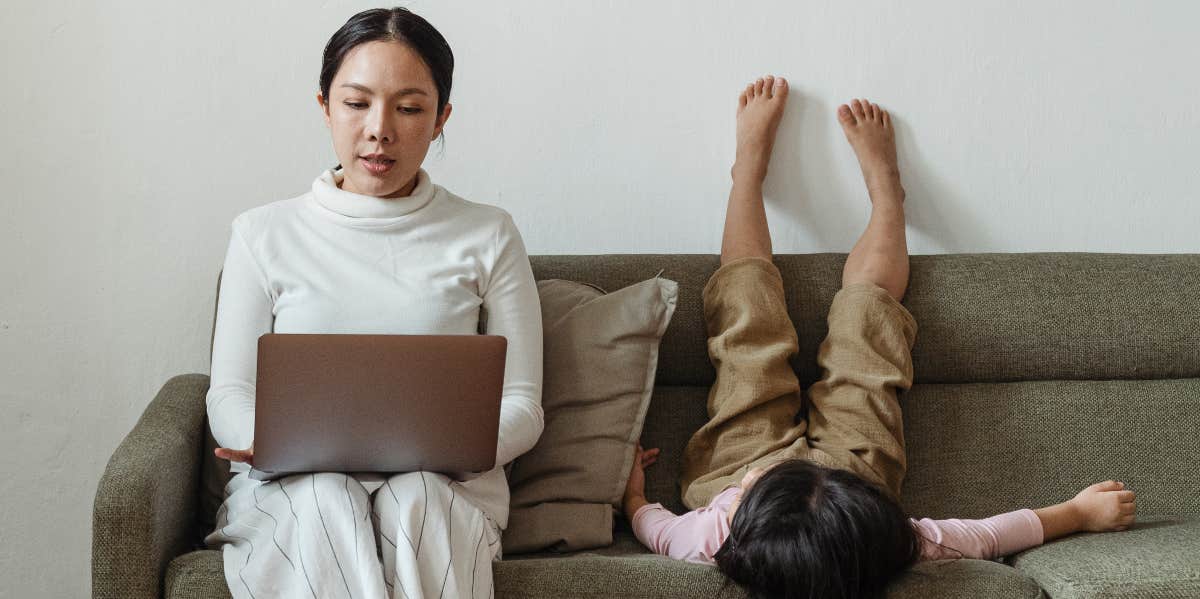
[(375, 247)]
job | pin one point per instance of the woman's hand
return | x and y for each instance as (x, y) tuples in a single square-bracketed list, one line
[(1106, 506), (236, 455)]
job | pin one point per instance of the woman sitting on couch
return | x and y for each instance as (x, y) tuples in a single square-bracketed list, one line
[(374, 247), (795, 498)]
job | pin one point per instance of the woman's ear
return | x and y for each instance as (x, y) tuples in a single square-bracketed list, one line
[(441, 121), (324, 107)]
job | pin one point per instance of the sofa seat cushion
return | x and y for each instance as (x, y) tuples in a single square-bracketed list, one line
[(625, 569), (1158, 557), (651, 576)]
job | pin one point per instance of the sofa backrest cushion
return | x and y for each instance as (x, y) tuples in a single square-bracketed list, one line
[(981, 317)]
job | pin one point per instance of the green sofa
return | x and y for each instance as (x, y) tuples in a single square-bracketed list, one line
[(1036, 374)]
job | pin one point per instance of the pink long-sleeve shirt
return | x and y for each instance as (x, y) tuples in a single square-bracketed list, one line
[(697, 535)]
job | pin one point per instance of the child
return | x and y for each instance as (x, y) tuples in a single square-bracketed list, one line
[(797, 497)]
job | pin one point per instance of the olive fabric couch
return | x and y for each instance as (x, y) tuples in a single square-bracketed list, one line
[(1036, 375)]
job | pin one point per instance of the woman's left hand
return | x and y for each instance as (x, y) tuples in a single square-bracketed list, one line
[(236, 455)]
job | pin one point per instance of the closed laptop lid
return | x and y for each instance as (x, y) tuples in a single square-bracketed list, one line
[(377, 403)]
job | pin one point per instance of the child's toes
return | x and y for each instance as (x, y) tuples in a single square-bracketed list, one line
[(758, 87), (780, 88), (857, 107), (769, 85), (887, 120), (742, 98), (874, 111), (845, 115), (866, 108)]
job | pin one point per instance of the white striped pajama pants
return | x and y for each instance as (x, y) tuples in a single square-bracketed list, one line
[(359, 536)]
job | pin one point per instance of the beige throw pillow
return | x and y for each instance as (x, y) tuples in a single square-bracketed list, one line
[(601, 352)]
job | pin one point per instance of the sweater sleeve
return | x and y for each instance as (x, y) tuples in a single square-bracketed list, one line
[(655, 526), (695, 536), (514, 312), (989, 538), (244, 312)]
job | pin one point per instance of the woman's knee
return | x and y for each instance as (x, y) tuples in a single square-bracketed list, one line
[(421, 492), (327, 482), (324, 491), (419, 483)]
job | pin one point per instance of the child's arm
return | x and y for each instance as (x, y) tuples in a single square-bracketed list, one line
[(687, 537), (1101, 507), (649, 529), (635, 488)]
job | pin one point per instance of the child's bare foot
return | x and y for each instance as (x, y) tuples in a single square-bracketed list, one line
[(881, 255), (869, 130), (760, 107)]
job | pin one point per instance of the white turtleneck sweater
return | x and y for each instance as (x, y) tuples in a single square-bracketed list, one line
[(332, 261)]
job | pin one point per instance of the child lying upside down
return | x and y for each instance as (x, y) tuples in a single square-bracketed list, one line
[(796, 495)]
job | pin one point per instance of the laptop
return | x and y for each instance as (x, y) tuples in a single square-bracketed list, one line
[(377, 403)]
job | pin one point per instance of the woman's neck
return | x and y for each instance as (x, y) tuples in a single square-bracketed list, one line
[(330, 191), (405, 190)]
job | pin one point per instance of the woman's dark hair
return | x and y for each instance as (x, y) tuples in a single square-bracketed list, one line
[(803, 530), (391, 25)]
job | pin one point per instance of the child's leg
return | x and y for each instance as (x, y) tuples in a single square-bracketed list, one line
[(760, 107), (854, 417), (881, 255), (753, 402)]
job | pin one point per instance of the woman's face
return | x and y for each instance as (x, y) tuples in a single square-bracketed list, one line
[(382, 114)]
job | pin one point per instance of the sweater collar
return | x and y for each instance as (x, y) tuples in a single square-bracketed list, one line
[(329, 194)]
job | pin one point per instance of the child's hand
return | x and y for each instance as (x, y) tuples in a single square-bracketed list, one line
[(636, 487), (1105, 506)]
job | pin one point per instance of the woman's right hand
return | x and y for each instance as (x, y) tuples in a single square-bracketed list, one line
[(236, 455)]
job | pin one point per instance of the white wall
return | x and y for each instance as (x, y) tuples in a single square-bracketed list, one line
[(135, 131)]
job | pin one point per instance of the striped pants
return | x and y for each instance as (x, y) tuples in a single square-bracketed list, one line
[(360, 536)]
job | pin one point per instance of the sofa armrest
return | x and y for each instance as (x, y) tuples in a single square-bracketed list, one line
[(145, 507)]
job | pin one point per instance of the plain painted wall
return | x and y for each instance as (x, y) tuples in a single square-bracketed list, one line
[(135, 131)]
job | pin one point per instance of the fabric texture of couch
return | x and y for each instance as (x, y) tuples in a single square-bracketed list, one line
[(1036, 374)]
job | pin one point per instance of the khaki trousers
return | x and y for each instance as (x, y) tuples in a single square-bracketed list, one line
[(850, 419)]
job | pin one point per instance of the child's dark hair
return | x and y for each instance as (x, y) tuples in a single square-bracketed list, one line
[(394, 25), (803, 530)]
